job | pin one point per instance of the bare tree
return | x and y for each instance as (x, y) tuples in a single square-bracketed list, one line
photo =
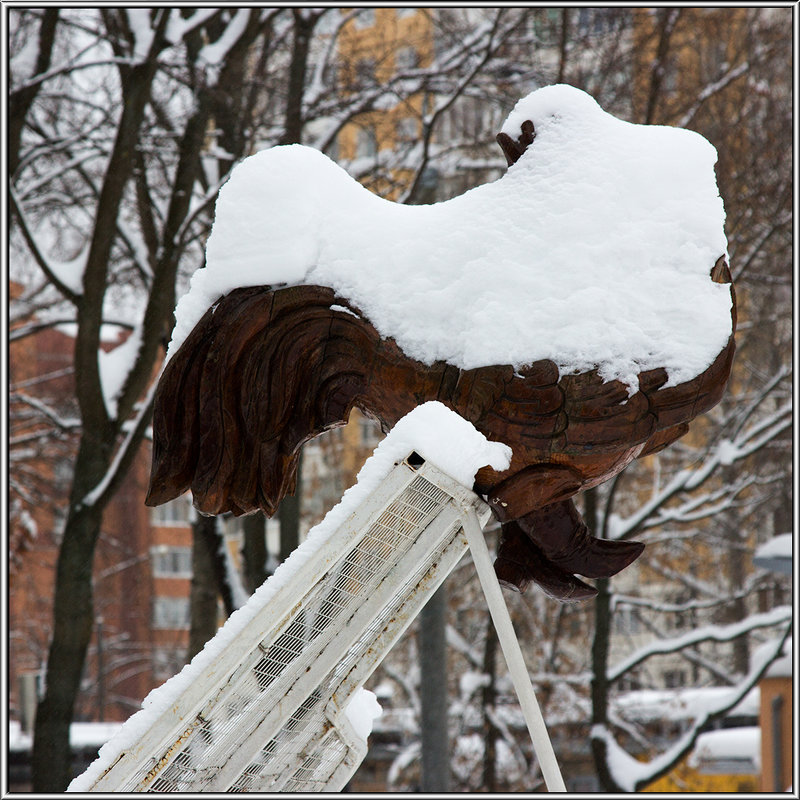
[(105, 194), (716, 495), (709, 499), (124, 122)]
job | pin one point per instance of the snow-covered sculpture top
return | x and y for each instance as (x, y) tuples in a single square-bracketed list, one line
[(578, 309)]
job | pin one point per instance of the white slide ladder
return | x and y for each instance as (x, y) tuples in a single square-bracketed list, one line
[(265, 708)]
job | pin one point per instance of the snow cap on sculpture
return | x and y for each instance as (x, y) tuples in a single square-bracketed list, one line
[(592, 251), (579, 309)]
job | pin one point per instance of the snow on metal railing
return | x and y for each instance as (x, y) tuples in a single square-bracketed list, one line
[(274, 702)]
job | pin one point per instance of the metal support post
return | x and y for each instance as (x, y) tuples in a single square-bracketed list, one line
[(513, 655)]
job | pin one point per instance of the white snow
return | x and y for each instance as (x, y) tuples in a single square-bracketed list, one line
[(727, 452), (705, 633), (624, 767), (783, 665), (25, 518), (70, 272), (733, 744), (115, 365), (214, 53), (594, 249), (361, 711), (435, 432), (648, 705), (141, 27), (81, 734), (470, 682), (178, 27), (779, 546)]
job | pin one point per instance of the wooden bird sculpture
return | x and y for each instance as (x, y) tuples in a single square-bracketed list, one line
[(268, 367)]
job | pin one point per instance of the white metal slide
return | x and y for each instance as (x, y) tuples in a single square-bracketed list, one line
[(270, 705)]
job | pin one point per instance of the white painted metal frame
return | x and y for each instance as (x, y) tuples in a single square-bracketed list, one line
[(269, 715)]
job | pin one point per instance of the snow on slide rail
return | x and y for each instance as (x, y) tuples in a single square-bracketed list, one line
[(274, 702)]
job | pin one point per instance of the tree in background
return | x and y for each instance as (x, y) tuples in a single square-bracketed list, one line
[(709, 499), (111, 109), (724, 489), (124, 122)]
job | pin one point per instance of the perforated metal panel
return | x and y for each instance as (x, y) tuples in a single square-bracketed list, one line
[(271, 717)]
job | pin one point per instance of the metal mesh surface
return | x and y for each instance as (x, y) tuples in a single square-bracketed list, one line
[(272, 725)]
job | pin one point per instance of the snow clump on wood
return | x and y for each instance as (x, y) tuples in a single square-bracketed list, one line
[(593, 250)]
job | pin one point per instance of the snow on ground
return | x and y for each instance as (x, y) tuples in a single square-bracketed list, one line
[(594, 249), (81, 734), (440, 436)]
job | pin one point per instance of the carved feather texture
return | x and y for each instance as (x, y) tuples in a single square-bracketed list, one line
[(265, 370)]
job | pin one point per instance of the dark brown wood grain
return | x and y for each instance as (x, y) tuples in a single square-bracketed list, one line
[(267, 369)]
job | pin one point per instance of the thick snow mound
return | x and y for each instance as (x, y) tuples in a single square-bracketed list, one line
[(593, 250)]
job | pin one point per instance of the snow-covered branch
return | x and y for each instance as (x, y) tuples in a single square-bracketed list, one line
[(62, 423), (32, 328), (64, 276), (632, 775), (713, 88), (663, 607), (707, 633), (214, 53), (726, 452)]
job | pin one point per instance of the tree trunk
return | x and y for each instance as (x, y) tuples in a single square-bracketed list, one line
[(254, 551), (600, 647), (433, 694), (73, 613), (303, 28), (599, 687), (489, 782), (563, 45), (204, 591), (72, 629), (668, 18)]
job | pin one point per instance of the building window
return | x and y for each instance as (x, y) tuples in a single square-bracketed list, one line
[(366, 143), (172, 562), (365, 18), (406, 58), (171, 612), (175, 512), (674, 678)]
